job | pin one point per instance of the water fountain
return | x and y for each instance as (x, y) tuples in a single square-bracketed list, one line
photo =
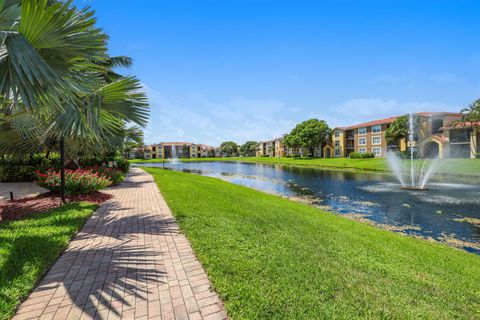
[(417, 174), (174, 157)]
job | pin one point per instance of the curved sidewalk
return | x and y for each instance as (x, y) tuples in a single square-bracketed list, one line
[(129, 261)]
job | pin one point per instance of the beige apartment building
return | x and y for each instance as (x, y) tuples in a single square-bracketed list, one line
[(439, 134), (165, 150), (362, 138), (271, 148)]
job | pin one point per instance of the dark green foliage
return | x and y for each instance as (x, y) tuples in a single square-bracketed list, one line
[(249, 149), (229, 149), (471, 113), (397, 131), (358, 155), (16, 173), (309, 134), (122, 164), (14, 170), (22, 170)]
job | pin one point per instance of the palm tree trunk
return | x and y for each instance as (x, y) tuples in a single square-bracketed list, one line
[(62, 169)]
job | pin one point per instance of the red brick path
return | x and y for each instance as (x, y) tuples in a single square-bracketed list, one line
[(128, 262)]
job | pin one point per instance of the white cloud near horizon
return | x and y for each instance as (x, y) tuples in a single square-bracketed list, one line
[(366, 109), (198, 119)]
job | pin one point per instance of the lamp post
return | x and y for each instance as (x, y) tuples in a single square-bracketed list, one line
[(62, 169)]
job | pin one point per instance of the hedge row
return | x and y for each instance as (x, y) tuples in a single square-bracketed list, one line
[(15, 170)]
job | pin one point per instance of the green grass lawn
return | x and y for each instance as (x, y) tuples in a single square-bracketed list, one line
[(272, 258), (450, 166), (28, 247)]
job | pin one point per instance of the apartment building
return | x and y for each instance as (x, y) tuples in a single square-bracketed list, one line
[(362, 138), (463, 140), (271, 148), (438, 134), (165, 150)]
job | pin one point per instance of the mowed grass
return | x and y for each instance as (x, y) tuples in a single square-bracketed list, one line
[(450, 166), (272, 258), (28, 247)]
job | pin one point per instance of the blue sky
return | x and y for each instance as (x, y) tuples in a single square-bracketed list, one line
[(250, 70)]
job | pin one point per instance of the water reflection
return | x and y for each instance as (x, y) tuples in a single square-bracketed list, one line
[(445, 212)]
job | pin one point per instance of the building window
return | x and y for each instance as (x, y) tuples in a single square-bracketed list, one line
[(376, 140), (337, 143), (362, 141), (460, 136), (362, 150), (377, 151), (337, 153), (376, 129), (362, 131), (337, 134), (436, 125)]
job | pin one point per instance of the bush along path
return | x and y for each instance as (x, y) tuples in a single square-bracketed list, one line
[(128, 261)]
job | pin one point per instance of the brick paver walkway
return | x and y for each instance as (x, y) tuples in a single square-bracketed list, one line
[(129, 261)]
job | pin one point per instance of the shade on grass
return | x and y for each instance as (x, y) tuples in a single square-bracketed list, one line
[(29, 246), (272, 258)]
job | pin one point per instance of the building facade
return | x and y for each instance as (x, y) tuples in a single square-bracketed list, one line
[(362, 138), (167, 150), (271, 148), (438, 134)]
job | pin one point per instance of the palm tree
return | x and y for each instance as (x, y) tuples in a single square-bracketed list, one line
[(471, 113), (58, 82), (471, 118)]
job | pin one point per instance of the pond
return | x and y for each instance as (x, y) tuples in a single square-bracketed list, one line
[(447, 212)]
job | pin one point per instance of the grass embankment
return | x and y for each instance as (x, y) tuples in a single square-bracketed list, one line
[(28, 247), (272, 258), (450, 166)]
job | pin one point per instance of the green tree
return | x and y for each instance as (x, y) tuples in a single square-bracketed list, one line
[(471, 118), (229, 149), (58, 82), (471, 113), (249, 149), (397, 131), (309, 134)]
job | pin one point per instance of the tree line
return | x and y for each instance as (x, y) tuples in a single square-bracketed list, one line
[(309, 134)]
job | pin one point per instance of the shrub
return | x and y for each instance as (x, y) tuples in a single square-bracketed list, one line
[(122, 164), (23, 170), (16, 173), (76, 181), (115, 175), (358, 155)]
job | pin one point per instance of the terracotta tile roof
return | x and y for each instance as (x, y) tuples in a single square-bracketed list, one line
[(205, 146), (391, 119), (462, 125), (371, 123), (176, 143), (439, 138), (430, 114)]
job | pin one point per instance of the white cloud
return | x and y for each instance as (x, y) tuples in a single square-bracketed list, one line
[(201, 120), (366, 109), (198, 119)]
